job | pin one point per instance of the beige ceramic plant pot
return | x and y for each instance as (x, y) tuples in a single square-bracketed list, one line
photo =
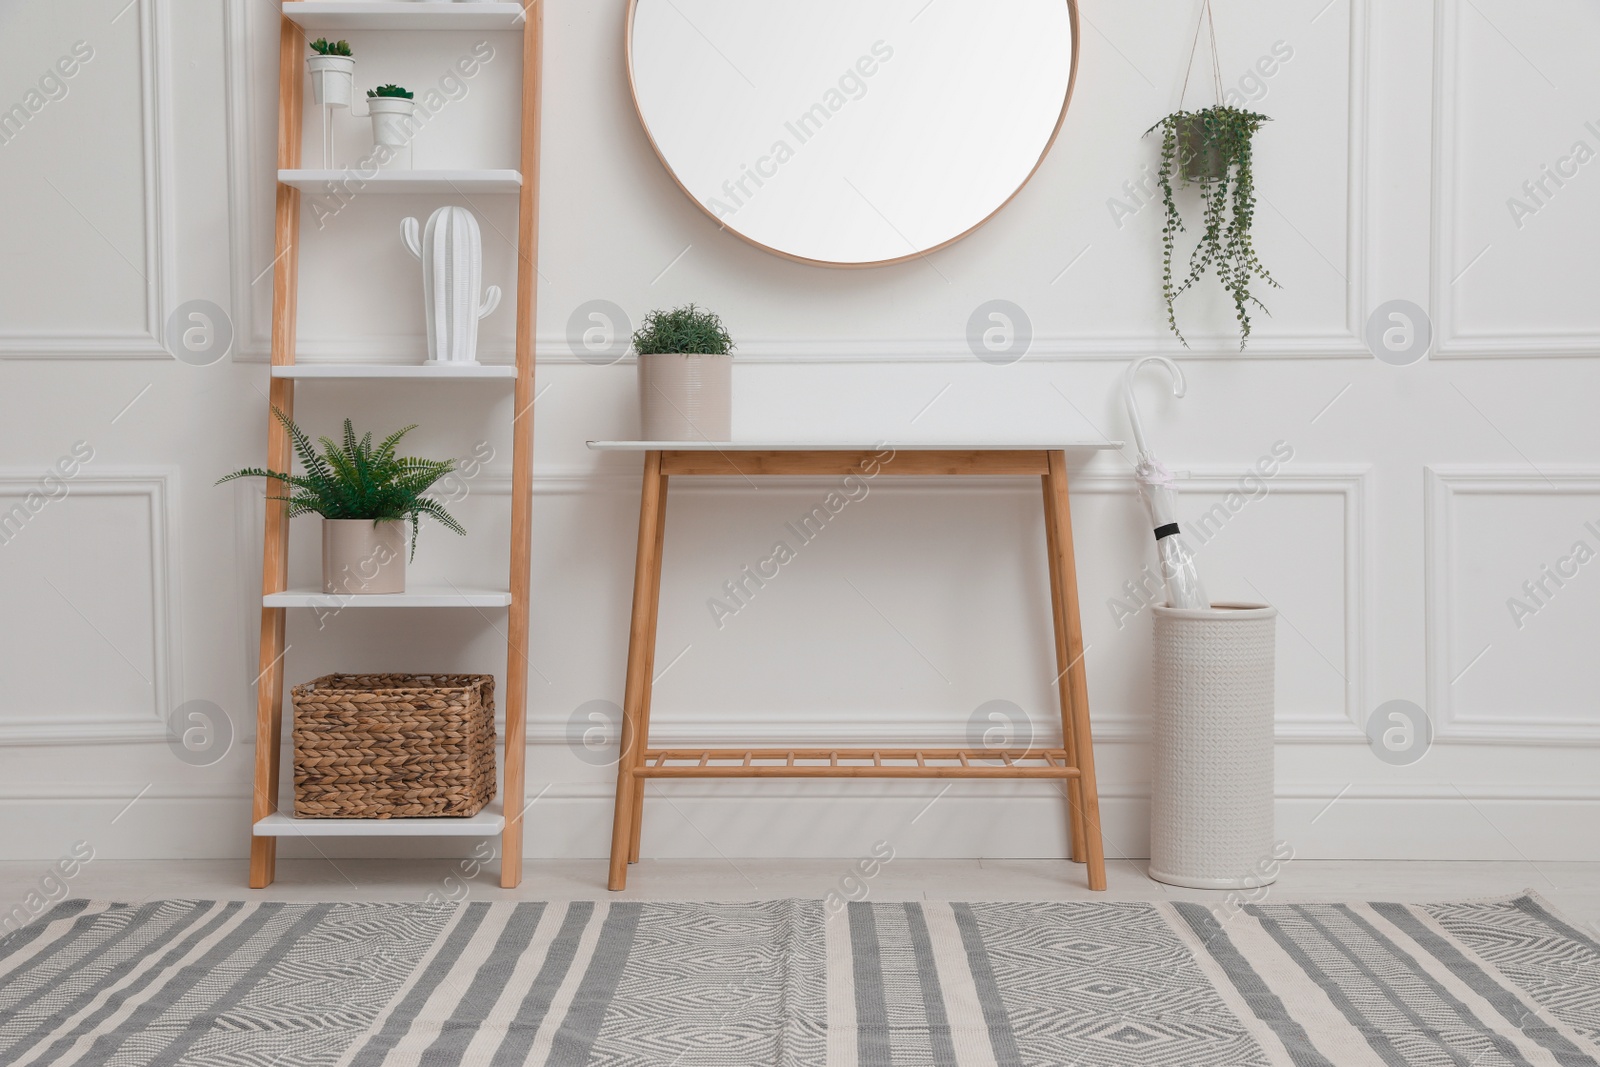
[(362, 556), (686, 397)]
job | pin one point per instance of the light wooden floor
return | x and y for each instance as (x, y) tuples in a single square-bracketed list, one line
[(1572, 888)]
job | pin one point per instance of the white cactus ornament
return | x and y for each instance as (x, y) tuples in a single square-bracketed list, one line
[(451, 250)]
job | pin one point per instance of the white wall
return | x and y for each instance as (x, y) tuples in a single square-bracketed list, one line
[(1418, 499)]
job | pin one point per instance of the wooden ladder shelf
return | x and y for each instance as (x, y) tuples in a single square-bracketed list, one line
[(317, 16)]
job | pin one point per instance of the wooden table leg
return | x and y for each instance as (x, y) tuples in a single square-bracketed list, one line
[(1075, 680), (643, 737), (636, 695), (1058, 607)]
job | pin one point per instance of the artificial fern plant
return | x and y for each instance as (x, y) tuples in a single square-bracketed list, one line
[(357, 480), (689, 330)]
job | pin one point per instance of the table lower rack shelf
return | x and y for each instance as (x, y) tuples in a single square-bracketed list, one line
[(855, 763)]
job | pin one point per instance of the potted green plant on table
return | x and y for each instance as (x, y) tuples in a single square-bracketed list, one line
[(391, 108), (365, 494), (333, 73), (1212, 148), (685, 376)]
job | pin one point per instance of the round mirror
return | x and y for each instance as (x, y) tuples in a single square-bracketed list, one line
[(852, 133)]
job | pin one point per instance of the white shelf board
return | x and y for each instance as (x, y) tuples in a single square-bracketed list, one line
[(407, 181), (491, 820), (423, 597), (852, 446), (321, 15), (444, 371)]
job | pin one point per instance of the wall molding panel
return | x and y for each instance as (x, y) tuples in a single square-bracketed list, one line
[(1449, 261), (157, 488), (1444, 485), (1352, 486), (252, 340), (160, 233)]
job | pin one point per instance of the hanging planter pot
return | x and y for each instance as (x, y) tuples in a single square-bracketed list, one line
[(1201, 154), (333, 73), (392, 109)]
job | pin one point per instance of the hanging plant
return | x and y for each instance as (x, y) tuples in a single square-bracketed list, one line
[(1211, 148)]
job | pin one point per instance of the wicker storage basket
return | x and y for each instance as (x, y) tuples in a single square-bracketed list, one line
[(1211, 819), (393, 746)]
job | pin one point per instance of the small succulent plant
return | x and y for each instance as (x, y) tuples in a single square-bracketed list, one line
[(393, 91), (324, 47)]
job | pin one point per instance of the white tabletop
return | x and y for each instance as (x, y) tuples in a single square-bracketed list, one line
[(852, 446)]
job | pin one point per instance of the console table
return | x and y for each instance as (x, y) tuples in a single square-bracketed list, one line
[(1072, 762)]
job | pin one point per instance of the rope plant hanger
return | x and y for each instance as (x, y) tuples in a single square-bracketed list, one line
[(1211, 148)]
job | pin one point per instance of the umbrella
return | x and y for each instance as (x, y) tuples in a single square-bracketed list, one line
[(1157, 491)]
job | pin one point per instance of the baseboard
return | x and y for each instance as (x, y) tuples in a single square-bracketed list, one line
[(807, 820)]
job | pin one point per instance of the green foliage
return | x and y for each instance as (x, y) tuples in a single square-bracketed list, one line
[(686, 329), (392, 91), (356, 480), (1189, 141), (324, 47)]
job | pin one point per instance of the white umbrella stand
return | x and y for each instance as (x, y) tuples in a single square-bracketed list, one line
[(1211, 811)]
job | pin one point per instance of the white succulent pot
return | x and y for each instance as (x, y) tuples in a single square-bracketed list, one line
[(1211, 813), (392, 122), (686, 396), (451, 251), (333, 80), (363, 556)]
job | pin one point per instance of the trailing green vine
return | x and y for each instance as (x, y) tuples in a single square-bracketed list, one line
[(1212, 148)]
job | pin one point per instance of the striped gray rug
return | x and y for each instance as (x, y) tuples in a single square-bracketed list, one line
[(1479, 984)]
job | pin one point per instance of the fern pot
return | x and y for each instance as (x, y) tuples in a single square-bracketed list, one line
[(686, 396), (1211, 817), (362, 556), (392, 122), (1200, 162), (333, 80)]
